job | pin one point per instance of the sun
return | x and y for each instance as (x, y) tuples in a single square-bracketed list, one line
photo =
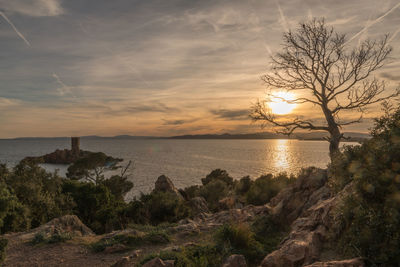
[(279, 103)]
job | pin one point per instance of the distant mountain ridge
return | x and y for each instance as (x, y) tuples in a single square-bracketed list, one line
[(352, 136)]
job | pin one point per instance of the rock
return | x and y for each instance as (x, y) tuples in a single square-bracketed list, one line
[(235, 260), (343, 263), (67, 224), (157, 262), (308, 189), (199, 205), (164, 184), (310, 230)]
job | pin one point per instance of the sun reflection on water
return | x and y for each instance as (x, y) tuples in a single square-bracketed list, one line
[(281, 153)]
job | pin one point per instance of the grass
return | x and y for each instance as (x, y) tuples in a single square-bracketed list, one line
[(132, 241), (40, 238)]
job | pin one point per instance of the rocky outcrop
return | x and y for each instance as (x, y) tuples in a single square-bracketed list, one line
[(67, 224), (164, 184), (292, 201), (311, 215), (235, 260), (198, 205), (206, 221)]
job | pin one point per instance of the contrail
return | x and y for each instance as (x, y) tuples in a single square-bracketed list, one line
[(283, 18), (64, 88), (15, 29), (394, 35), (374, 22)]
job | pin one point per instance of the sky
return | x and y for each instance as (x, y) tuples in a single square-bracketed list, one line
[(157, 67)]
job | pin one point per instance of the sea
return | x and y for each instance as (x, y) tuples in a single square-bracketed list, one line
[(184, 161)]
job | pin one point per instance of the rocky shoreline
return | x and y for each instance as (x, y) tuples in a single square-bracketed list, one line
[(305, 205)]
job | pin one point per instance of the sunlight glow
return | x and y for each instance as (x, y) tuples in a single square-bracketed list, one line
[(279, 103)]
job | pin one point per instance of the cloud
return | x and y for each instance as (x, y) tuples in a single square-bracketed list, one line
[(142, 108), (369, 24), (178, 122), (7, 102), (231, 114), (34, 8), (283, 21), (15, 29), (63, 89)]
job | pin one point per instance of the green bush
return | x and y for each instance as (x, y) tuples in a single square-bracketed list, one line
[(239, 239), (39, 193), (165, 207), (218, 174), (213, 192), (243, 186), (269, 232), (367, 221), (266, 187), (95, 205), (40, 238)]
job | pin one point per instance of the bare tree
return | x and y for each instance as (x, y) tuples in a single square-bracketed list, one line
[(316, 62)]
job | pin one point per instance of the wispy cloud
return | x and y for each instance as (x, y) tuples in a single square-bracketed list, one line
[(231, 114), (63, 89), (283, 20), (15, 29), (371, 23), (34, 8)]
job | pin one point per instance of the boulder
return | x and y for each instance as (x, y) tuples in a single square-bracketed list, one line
[(235, 260), (164, 184), (342, 263), (157, 262)]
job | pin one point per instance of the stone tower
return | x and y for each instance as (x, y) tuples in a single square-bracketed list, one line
[(75, 141)]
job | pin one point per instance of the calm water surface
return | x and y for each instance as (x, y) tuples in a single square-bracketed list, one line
[(185, 161)]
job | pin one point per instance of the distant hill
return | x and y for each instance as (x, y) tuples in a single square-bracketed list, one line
[(353, 136)]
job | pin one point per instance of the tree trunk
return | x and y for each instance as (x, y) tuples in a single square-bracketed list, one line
[(335, 135)]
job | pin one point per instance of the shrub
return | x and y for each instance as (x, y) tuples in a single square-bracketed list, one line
[(269, 232), (266, 187), (165, 207), (39, 192), (367, 221), (218, 174), (243, 186), (95, 205), (239, 239), (40, 238)]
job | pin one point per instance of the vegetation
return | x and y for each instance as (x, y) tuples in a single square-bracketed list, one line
[(315, 61), (131, 241), (229, 239), (40, 238), (368, 220)]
